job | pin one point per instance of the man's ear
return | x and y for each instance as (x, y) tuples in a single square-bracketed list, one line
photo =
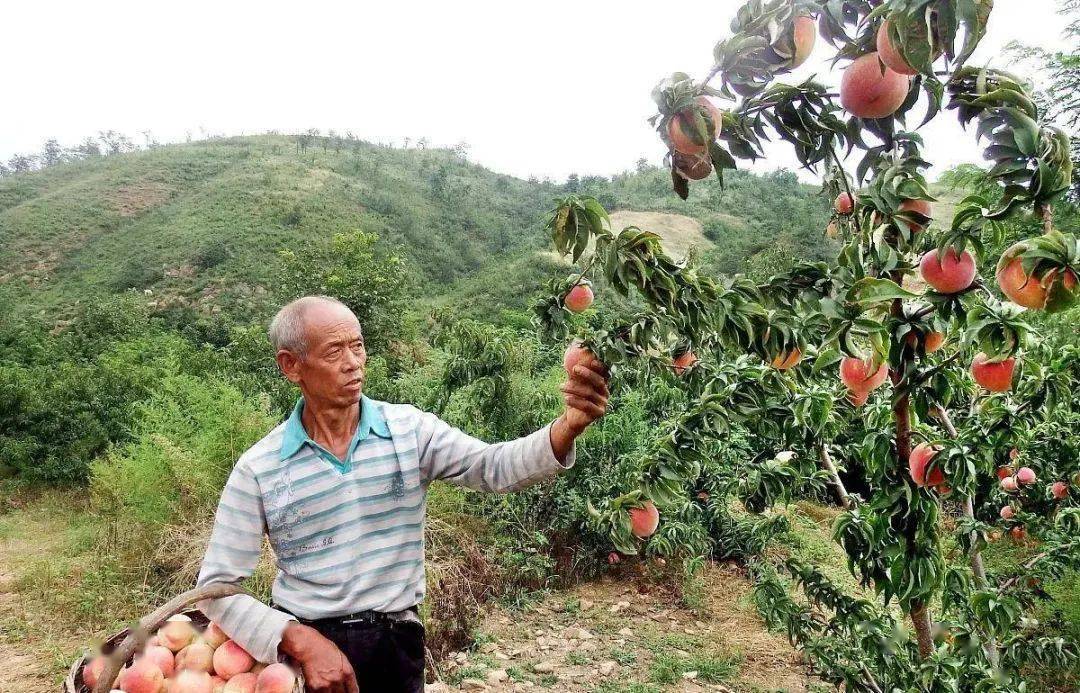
[(289, 363)]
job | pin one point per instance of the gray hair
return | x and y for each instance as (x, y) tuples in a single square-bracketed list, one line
[(288, 328)]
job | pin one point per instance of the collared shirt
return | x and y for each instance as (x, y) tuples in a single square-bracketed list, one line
[(348, 535), (296, 436)]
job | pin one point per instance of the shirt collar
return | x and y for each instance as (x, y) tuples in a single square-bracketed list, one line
[(371, 421)]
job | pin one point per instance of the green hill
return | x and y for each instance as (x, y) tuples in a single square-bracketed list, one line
[(200, 224)]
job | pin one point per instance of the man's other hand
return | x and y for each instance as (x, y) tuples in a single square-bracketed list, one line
[(585, 393), (326, 669)]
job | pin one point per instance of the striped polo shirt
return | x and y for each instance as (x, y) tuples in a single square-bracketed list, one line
[(348, 535)]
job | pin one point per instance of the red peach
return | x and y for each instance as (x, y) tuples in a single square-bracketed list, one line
[(1007, 512), (230, 659), (613, 558), (917, 462), (1018, 533), (1026, 476), (176, 634), (189, 681), (868, 89), (994, 376), (1008, 484), (214, 635), (92, 670), (858, 399), (241, 683), (163, 657), (804, 34), (198, 656), (1059, 490), (857, 377), (922, 207), (889, 54), (684, 361), (1004, 472), (276, 678), (578, 298), (948, 273), (143, 676), (844, 203), (692, 166), (679, 128), (644, 520)]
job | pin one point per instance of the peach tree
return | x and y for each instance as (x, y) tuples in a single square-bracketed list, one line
[(938, 376)]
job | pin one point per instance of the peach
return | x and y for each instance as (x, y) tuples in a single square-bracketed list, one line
[(198, 656), (241, 683), (804, 34), (832, 230), (917, 462), (934, 341), (890, 54), (844, 203), (176, 634), (868, 89), (214, 635), (1014, 454), (644, 520), (995, 376), (257, 669), (219, 683), (189, 681), (1025, 476), (856, 375), (276, 678), (578, 298), (1018, 533), (92, 670), (787, 359), (574, 355), (163, 657), (1030, 291), (1009, 485), (613, 558), (679, 127), (683, 361), (230, 659), (922, 207), (948, 272), (1007, 512), (1003, 472), (1059, 490), (143, 676)]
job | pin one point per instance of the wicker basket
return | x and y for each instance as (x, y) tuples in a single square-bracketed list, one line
[(121, 646)]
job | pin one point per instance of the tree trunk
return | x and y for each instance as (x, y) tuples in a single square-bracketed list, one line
[(920, 618), (827, 463)]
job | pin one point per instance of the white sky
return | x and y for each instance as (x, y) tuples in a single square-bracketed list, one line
[(546, 88)]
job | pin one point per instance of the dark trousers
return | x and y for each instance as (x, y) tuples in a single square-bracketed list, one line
[(387, 657)]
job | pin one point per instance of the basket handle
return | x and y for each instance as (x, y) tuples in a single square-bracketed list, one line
[(140, 633)]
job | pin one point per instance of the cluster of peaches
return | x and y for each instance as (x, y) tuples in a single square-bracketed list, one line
[(178, 658)]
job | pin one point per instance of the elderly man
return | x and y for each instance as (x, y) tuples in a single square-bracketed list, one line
[(339, 489)]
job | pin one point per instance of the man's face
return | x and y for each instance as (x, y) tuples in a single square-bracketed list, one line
[(332, 371)]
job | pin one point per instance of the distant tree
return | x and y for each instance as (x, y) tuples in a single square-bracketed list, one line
[(115, 142), (642, 165), (573, 183), (4, 170), (21, 163), (51, 153), (149, 139), (89, 147)]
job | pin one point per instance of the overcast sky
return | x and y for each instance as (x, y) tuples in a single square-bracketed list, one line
[(542, 88)]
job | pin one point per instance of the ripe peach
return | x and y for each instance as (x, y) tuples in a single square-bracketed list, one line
[(241, 683), (198, 656), (1008, 484), (613, 558), (889, 54), (1007, 512), (276, 678), (931, 342), (787, 359), (214, 636), (868, 89), (804, 34), (1004, 472), (1026, 476), (188, 681), (644, 520), (578, 298), (918, 460), (143, 676), (1018, 533), (684, 361), (1059, 490), (855, 374), (943, 489), (679, 128), (219, 683), (948, 273), (692, 166), (575, 354), (176, 634), (1030, 291), (163, 657), (922, 207), (92, 670), (230, 659), (844, 203), (994, 376)]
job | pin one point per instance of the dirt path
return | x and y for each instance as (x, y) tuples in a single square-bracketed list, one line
[(610, 637)]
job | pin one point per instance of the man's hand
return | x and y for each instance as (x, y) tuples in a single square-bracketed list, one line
[(585, 393), (326, 669)]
